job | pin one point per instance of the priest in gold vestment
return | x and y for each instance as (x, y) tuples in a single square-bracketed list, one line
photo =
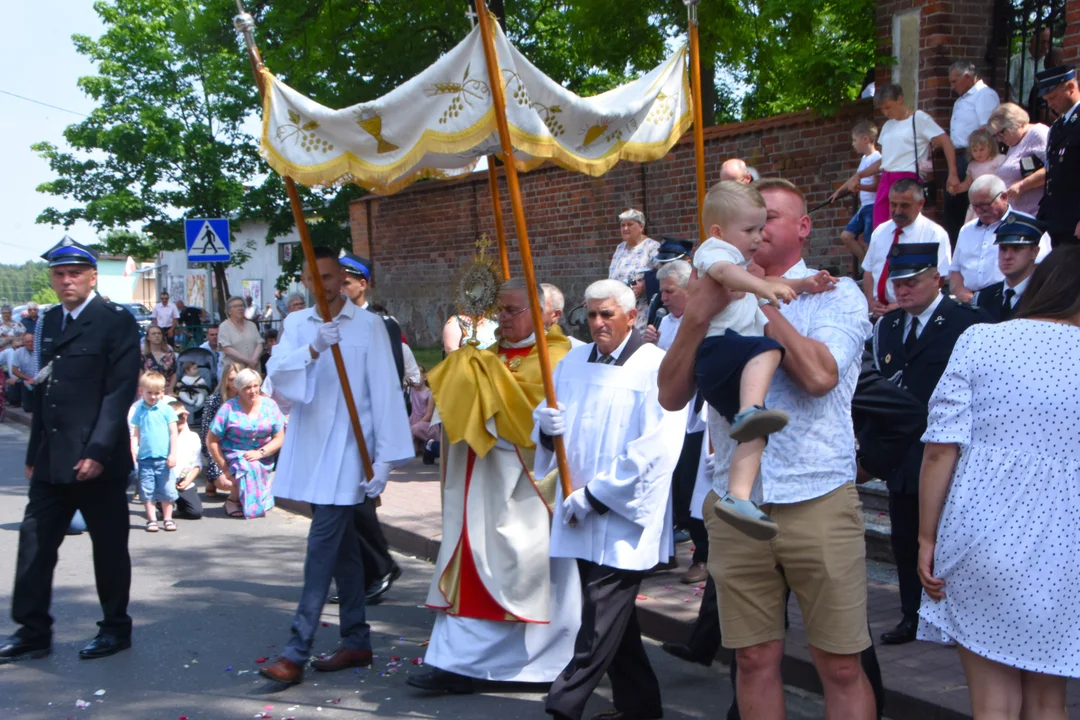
[(508, 611)]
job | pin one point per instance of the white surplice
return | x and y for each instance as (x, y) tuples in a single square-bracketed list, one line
[(623, 446), (320, 461)]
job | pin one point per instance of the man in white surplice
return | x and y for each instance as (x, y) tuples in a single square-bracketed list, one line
[(320, 461), (622, 448)]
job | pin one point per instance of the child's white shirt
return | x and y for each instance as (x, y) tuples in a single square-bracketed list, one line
[(867, 198), (188, 455), (743, 315)]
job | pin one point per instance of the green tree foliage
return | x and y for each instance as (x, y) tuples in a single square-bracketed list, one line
[(165, 140), (20, 283)]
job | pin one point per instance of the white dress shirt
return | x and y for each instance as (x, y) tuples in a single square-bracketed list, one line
[(923, 230), (1019, 289), (976, 255), (1022, 69), (971, 111), (924, 317), (669, 326), (815, 453), (320, 461), (165, 314)]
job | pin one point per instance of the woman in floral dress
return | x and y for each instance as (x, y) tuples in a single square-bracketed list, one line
[(247, 432), (224, 393), (157, 356), (635, 255)]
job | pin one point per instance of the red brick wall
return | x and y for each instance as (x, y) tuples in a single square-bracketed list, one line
[(421, 238), (1071, 42)]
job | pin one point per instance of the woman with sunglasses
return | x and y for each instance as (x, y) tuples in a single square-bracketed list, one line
[(1024, 168)]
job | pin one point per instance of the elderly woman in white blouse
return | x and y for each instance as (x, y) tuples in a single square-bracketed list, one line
[(634, 256)]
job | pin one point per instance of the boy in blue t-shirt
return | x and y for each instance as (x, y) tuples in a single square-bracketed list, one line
[(153, 445)]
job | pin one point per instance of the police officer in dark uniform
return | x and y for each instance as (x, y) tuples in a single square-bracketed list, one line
[(79, 455), (1017, 239), (911, 346), (1060, 205), (379, 566)]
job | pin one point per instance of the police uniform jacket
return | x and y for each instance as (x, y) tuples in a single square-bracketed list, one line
[(1059, 208), (919, 373), (80, 411), (992, 299)]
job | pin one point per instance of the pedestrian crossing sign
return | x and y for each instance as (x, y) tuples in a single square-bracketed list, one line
[(207, 239)]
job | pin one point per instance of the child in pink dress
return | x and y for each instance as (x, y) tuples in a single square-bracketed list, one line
[(985, 160)]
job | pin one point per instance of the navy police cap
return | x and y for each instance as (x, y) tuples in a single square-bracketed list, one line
[(673, 248), (1019, 229), (356, 265), (70, 252), (909, 259), (1050, 78)]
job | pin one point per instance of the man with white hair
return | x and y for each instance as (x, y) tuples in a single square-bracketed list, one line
[(30, 316), (320, 460), (554, 306), (622, 446), (673, 277), (971, 111), (975, 259), (507, 611)]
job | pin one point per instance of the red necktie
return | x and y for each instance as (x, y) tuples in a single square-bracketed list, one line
[(885, 269)]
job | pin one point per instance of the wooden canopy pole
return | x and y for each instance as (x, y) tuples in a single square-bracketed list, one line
[(699, 131), (496, 205), (243, 23), (498, 97)]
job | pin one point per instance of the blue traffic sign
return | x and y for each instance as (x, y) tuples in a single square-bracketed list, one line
[(207, 240)]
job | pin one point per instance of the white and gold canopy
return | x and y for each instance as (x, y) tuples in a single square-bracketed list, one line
[(439, 123)]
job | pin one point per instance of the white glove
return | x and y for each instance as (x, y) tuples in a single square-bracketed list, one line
[(552, 420), (375, 486), (576, 506), (329, 334), (710, 465)]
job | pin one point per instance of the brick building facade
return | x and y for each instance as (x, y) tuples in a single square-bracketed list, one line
[(422, 237)]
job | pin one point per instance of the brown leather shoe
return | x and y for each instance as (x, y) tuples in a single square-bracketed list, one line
[(283, 671), (697, 573), (342, 659)]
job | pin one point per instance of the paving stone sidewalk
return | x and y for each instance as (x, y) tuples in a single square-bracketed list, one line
[(923, 679)]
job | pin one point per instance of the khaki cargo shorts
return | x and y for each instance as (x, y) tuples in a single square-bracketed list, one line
[(819, 552)]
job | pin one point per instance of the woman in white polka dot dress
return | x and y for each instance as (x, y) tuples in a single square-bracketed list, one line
[(999, 546)]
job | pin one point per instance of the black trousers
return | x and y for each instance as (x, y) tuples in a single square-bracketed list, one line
[(705, 642), (904, 517), (684, 477), (956, 206), (103, 503), (609, 641), (378, 562)]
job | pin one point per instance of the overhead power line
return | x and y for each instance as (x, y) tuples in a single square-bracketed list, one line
[(38, 102)]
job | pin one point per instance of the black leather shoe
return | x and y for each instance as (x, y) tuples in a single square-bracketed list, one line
[(334, 599), (436, 680), (685, 652), (903, 633), (381, 586), (103, 646), (15, 648)]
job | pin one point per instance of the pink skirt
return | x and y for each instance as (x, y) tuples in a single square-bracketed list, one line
[(881, 200)]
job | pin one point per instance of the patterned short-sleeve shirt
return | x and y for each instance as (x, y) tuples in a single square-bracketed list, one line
[(630, 261)]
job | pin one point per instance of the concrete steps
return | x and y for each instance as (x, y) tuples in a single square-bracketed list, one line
[(875, 500)]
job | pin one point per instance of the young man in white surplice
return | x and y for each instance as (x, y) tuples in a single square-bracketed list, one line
[(320, 460), (622, 448)]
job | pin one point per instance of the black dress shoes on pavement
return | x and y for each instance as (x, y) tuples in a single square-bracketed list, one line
[(380, 587), (436, 680), (15, 648), (687, 653), (903, 633), (104, 645)]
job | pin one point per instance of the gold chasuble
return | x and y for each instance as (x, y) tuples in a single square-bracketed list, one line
[(493, 563)]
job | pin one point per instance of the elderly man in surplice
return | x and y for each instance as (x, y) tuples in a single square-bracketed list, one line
[(507, 611), (622, 448), (320, 461)]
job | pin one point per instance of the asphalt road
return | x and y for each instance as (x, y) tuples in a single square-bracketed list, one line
[(213, 598)]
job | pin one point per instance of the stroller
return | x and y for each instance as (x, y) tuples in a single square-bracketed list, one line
[(194, 397)]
